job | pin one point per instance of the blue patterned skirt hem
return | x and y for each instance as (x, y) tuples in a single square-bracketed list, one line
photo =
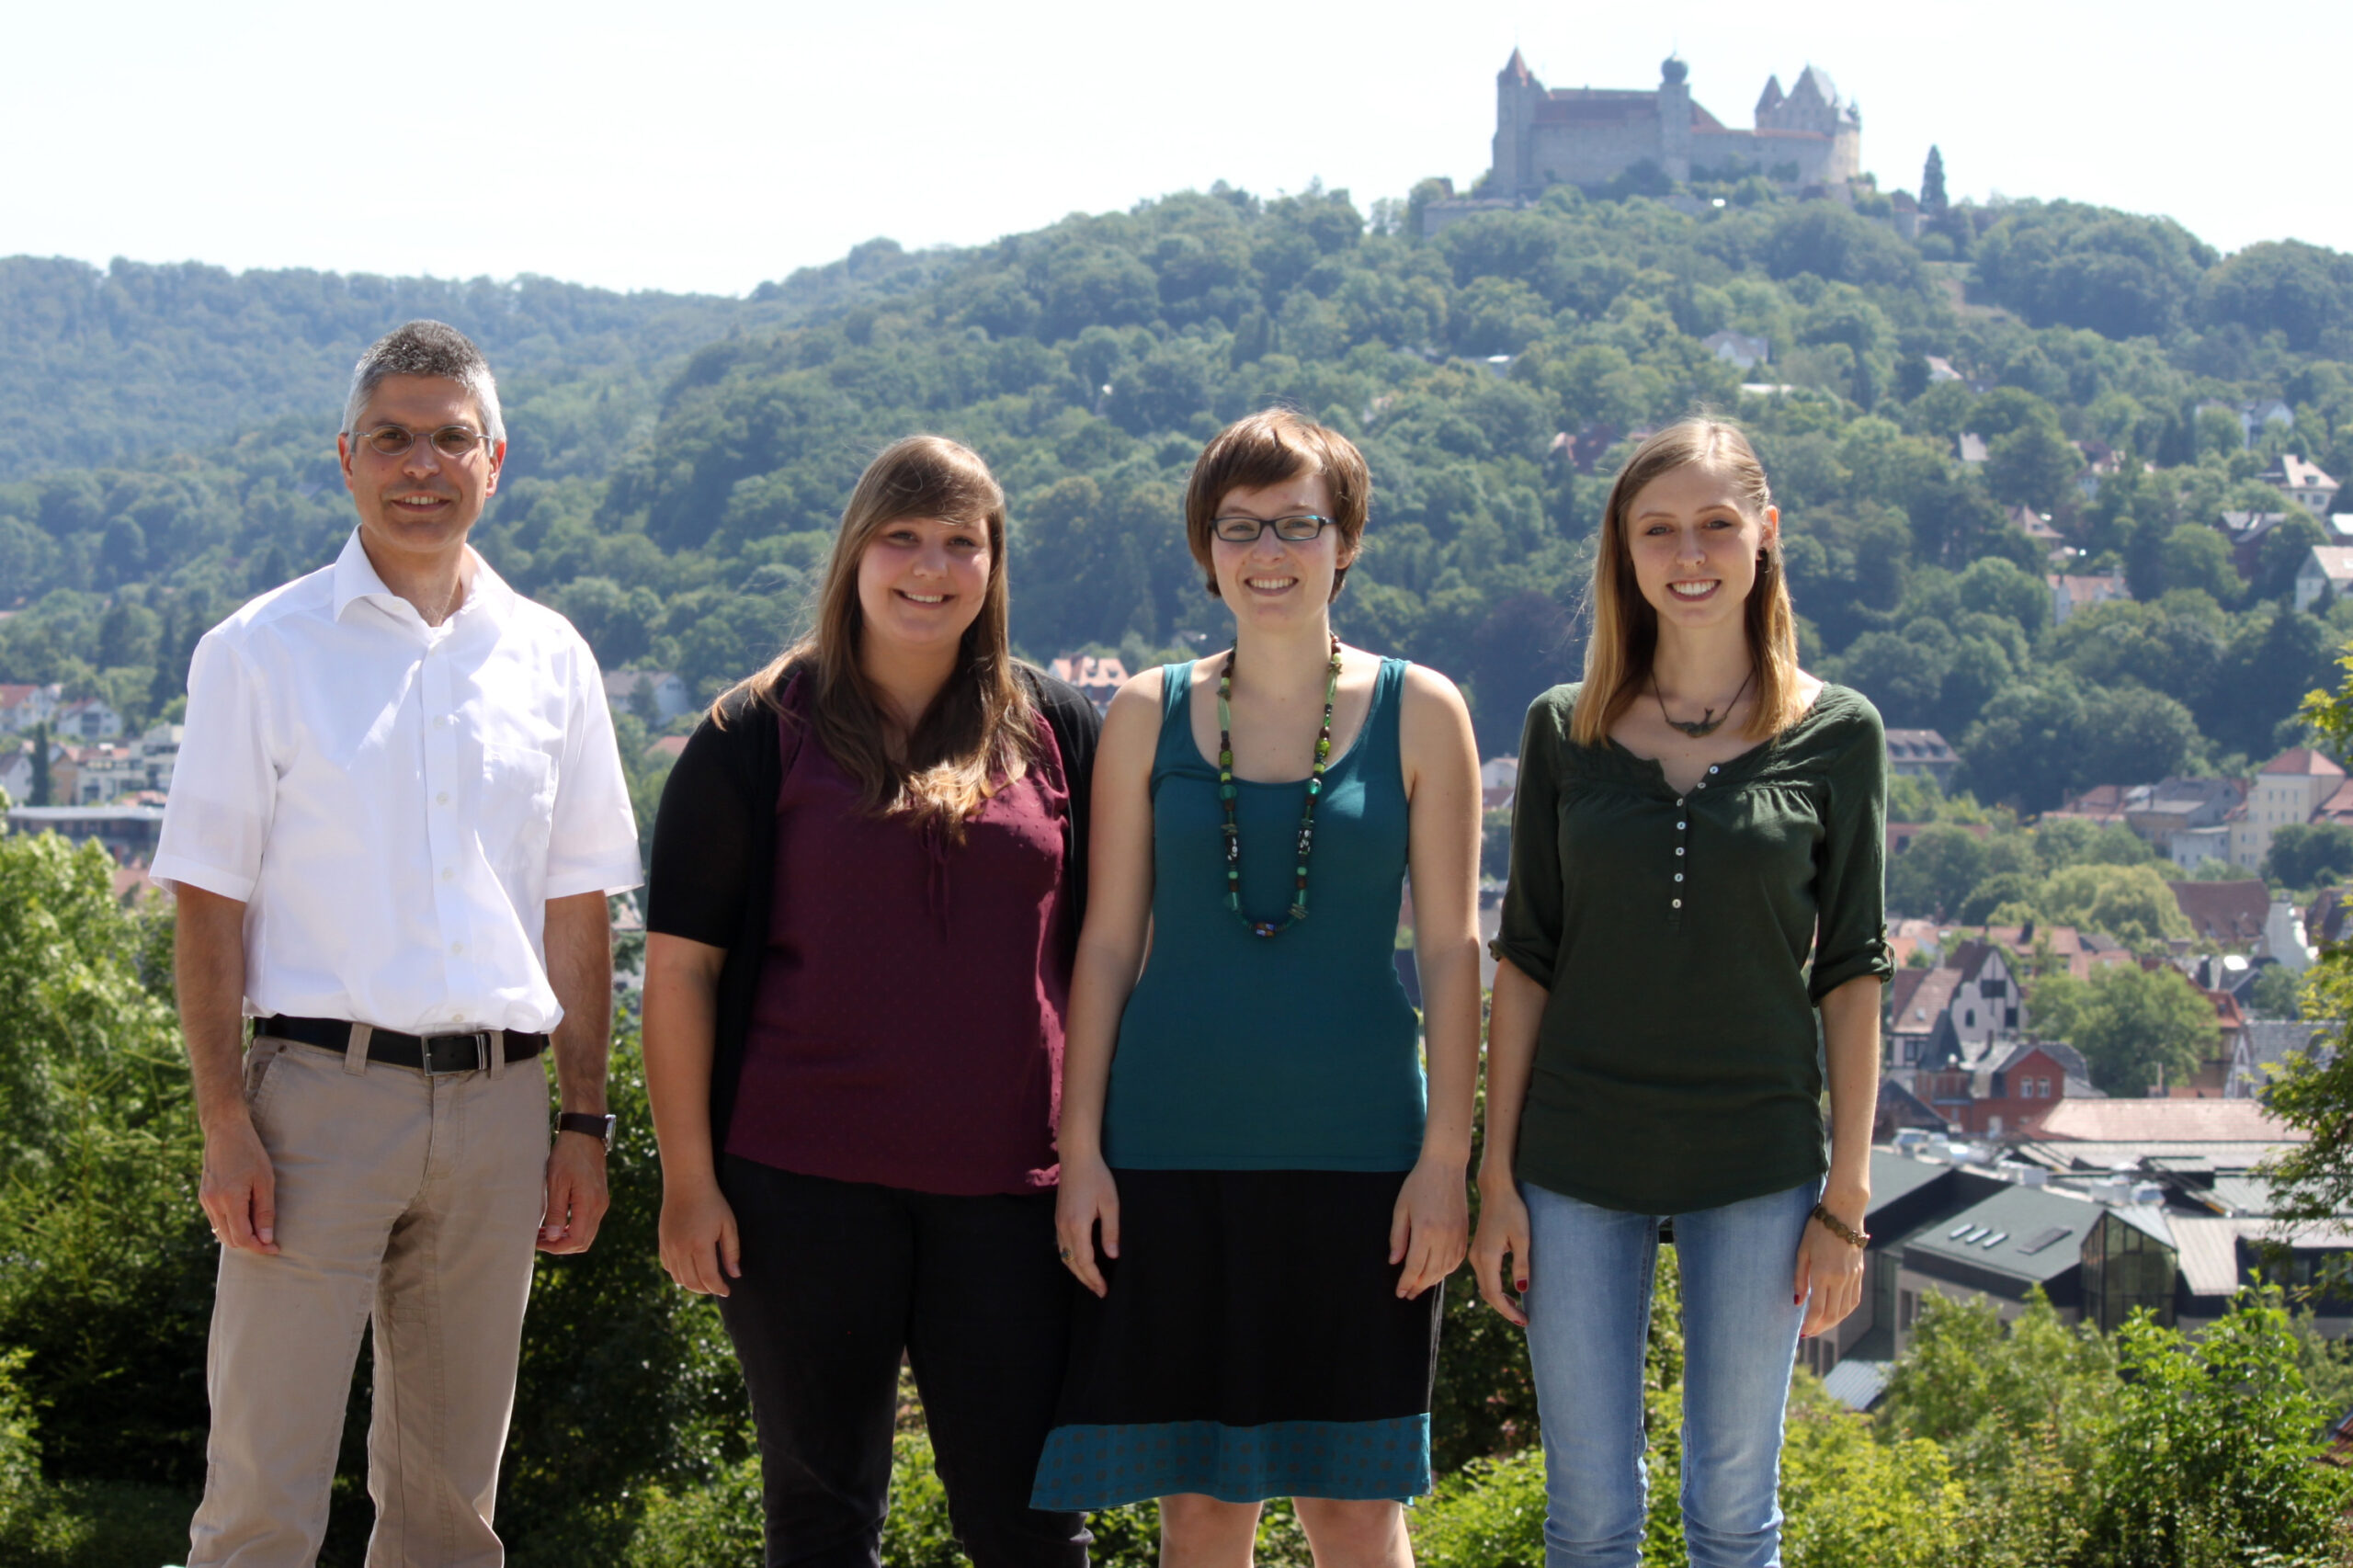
[(1103, 1467)]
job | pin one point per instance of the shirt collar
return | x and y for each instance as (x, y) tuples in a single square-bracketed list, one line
[(355, 578)]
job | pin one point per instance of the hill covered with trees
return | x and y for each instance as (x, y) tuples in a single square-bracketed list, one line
[(679, 463)]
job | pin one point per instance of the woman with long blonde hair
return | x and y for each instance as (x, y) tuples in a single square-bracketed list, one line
[(866, 890), (1696, 877)]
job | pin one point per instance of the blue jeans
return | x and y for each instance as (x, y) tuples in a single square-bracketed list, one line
[(1588, 1315)]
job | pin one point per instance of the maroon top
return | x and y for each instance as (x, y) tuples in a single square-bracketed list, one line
[(909, 1025)]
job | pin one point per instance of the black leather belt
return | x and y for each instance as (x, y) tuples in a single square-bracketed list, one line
[(467, 1052)]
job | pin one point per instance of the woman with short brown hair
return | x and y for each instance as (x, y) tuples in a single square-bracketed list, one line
[(1261, 1191)]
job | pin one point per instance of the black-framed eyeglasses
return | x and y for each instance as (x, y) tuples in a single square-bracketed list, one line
[(1296, 529), (450, 440)]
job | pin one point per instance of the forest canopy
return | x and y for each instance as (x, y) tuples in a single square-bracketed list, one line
[(679, 462)]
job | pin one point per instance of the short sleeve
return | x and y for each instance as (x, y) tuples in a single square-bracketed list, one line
[(225, 782), (702, 865), (592, 844), (1529, 938), (1850, 877)]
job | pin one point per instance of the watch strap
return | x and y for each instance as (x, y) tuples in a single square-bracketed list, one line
[(600, 1128)]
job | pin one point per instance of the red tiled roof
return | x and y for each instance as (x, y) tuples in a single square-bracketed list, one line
[(2168, 1122), (2225, 912), (2306, 761)]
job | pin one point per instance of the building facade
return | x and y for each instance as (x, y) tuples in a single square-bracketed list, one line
[(1588, 136)]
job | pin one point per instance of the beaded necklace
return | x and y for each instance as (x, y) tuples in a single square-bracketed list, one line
[(1226, 793)]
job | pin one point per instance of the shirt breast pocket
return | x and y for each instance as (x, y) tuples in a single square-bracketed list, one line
[(517, 806)]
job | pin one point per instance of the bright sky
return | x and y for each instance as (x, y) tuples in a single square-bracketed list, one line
[(709, 145)]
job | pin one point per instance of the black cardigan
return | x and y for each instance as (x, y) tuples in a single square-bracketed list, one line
[(714, 851)]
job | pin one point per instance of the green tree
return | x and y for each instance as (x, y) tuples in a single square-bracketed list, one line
[(2304, 854), (2197, 557), (2211, 1458), (1932, 184), (2022, 750), (2138, 737), (1936, 870), (2129, 1023), (2032, 466), (2277, 994)]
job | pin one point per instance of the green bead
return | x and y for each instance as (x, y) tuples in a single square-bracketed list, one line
[(1227, 791)]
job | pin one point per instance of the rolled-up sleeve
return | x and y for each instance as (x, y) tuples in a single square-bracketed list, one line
[(1850, 879), (1530, 935), (225, 782), (592, 844)]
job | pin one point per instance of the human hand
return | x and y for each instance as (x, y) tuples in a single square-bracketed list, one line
[(1502, 1244), (1087, 1197), (1831, 1270), (239, 1188), (1430, 1228), (575, 1193), (700, 1248)]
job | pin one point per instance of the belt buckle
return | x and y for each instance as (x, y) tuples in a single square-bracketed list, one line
[(480, 1039)]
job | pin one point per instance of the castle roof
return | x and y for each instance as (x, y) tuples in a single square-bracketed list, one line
[(1770, 98), (1515, 71), (1595, 106), (1816, 81)]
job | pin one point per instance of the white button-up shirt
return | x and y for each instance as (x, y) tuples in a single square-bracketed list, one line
[(396, 802)]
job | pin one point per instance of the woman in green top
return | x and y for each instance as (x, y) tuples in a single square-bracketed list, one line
[(1257, 1192), (1696, 867)]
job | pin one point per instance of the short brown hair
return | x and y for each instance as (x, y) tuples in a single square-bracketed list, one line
[(1268, 448)]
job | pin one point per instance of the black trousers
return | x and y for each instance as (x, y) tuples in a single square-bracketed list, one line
[(839, 1278)]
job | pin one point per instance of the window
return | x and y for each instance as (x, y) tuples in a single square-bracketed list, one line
[(1969, 1017)]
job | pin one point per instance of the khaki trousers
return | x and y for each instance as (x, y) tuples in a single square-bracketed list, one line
[(405, 1201)]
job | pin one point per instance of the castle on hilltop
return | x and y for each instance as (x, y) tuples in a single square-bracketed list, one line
[(1588, 136)]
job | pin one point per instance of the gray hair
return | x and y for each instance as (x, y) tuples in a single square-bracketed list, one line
[(425, 349)]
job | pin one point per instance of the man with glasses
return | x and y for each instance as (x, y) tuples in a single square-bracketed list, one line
[(396, 817)]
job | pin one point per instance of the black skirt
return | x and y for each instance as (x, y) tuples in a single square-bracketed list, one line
[(1252, 1346)]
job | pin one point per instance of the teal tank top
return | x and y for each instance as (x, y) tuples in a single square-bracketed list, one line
[(1298, 1051)]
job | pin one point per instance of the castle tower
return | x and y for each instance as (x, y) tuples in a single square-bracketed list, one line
[(1675, 118), (1517, 92), (1767, 101)]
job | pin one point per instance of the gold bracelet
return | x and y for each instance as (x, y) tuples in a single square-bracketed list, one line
[(1839, 1228)]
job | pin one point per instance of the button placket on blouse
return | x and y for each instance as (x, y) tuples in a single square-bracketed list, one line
[(1683, 829)]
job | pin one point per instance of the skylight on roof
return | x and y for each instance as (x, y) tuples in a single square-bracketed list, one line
[(1955, 1234), (2041, 1239), (1996, 1239)]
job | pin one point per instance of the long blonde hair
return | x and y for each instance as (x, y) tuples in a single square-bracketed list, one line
[(1625, 628), (983, 725)]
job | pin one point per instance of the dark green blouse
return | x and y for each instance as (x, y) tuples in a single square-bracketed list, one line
[(1678, 1065)]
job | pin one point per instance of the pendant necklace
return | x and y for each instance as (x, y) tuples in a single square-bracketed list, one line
[(1227, 791), (1707, 723)]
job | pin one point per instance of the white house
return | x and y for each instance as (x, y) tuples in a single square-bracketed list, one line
[(2328, 572), (22, 707), (2290, 789), (89, 719), (2303, 482)]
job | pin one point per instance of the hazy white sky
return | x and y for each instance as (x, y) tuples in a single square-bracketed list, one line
[(708, 144)]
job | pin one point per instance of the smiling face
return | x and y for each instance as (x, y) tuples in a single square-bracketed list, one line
[(1275, 581), (419, 504), (922, 581), (1694, 548)]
